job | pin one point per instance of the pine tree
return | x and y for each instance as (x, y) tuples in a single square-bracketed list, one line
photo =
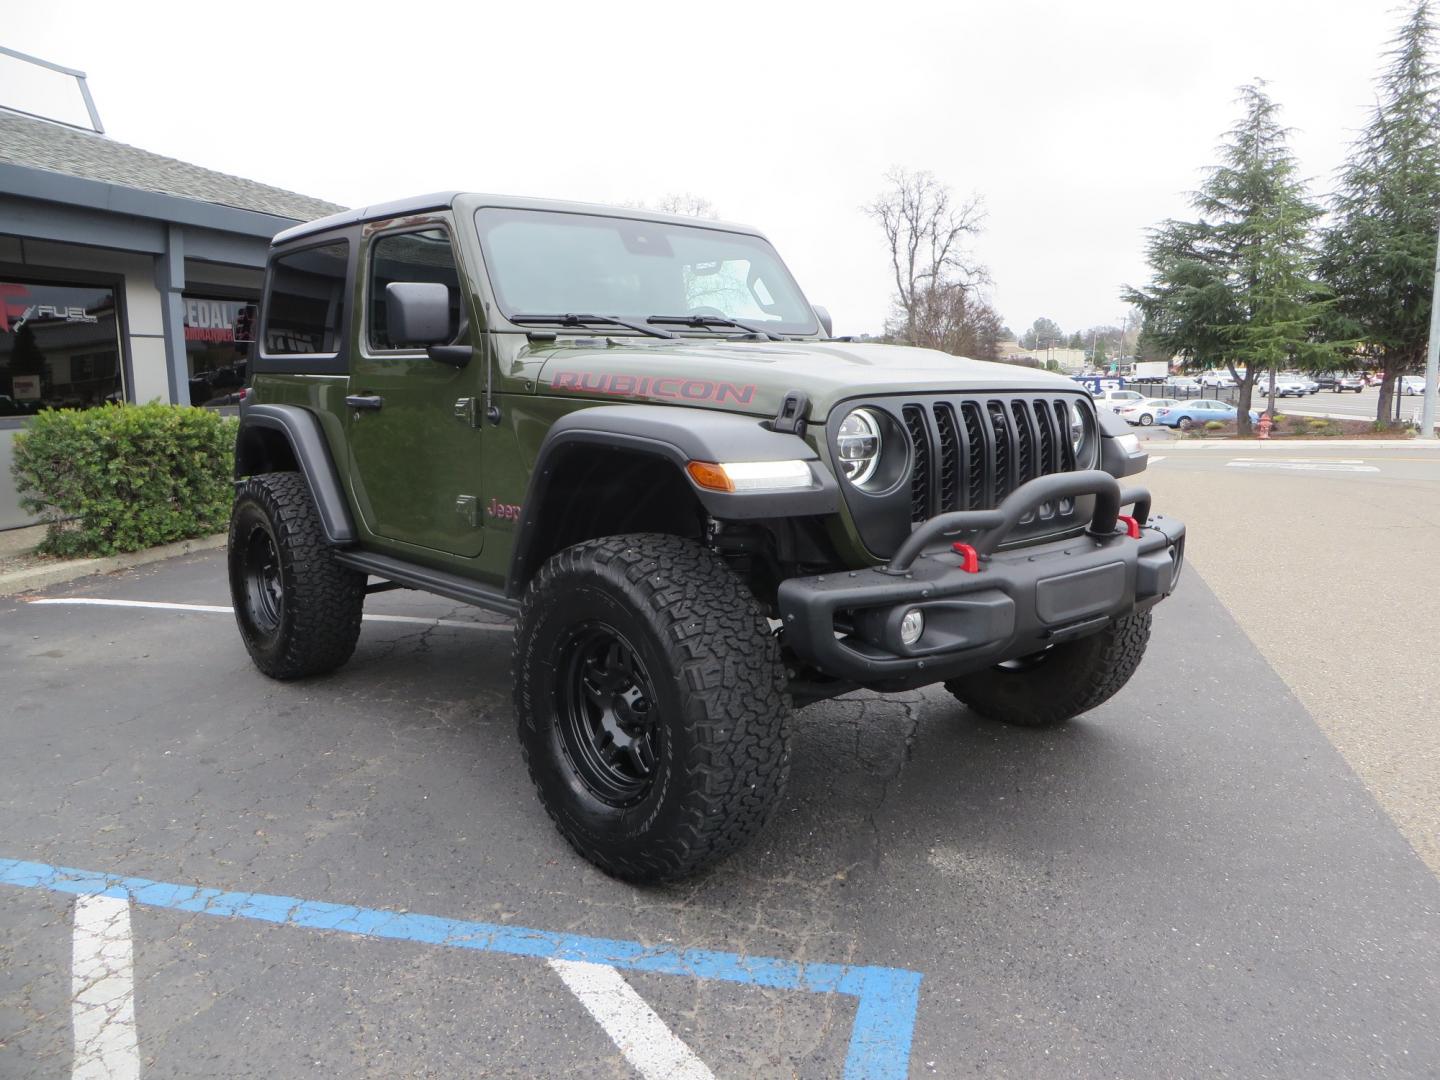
[(1236, 287), (1379, 255)]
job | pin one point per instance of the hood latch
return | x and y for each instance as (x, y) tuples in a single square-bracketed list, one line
[(790, 420)]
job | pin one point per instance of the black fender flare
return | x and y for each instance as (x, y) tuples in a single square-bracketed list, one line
[(677, 435), (301, 429)]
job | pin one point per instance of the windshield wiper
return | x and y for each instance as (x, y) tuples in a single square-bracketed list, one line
[(702, 322), (571, 319)]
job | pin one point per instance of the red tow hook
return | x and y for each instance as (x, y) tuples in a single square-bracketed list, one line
[(969, 557), (1132, 527)]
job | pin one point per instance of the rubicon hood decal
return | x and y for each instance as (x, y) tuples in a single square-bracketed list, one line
[(749, 377), (662, 387)]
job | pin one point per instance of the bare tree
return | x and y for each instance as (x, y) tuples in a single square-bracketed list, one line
[(681, 202), (927, 231), (950, 318)]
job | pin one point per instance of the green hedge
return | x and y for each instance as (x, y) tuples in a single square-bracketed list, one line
[(125, 477)]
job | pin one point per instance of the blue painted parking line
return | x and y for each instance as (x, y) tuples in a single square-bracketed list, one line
[(887, 998)]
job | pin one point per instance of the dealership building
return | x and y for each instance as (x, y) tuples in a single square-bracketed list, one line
[(121, 271)]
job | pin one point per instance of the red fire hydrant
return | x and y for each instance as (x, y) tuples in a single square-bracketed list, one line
[(1265, 423)]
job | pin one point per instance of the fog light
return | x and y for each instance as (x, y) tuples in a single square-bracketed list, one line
[(912, 626)]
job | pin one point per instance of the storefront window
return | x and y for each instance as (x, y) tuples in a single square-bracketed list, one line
[(59, 347), (217, 362)]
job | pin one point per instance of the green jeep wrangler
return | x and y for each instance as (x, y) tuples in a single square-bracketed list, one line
[(633, 435)]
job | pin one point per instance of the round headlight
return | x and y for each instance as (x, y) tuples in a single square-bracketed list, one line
[(858, 445), (1077, 428), (1080, 422)]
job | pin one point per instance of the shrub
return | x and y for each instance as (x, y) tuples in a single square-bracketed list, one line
[(1214, 425), (125, 477)]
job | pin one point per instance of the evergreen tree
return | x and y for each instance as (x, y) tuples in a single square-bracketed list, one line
[(1379, 256), (1236, 287)]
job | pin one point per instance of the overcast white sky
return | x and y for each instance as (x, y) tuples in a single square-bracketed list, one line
[(1080, 124)]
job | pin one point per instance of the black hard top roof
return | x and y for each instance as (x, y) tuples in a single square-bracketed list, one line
[(444, 200)]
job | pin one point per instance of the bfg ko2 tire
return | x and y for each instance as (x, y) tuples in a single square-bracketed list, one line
[(298, 609), (1063, 681), (651, 704)]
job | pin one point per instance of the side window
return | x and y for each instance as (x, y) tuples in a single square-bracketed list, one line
[(413, 256), (306, 307)]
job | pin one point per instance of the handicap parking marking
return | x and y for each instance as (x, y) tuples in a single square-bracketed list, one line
[(216, 609), (887, 999), (641, 1035), (102, 990)]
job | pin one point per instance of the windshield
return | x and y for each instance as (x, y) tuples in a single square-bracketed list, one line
[(548, 262)]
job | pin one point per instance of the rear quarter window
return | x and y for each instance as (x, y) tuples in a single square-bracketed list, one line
[(305, 308)]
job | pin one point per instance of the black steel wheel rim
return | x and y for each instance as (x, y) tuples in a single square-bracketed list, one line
[(264, 594), (608, 714)]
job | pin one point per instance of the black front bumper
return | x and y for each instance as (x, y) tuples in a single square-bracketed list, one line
[(1015, 603)]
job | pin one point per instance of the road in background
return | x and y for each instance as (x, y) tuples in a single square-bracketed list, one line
[(1350, 406), (1347, 405)]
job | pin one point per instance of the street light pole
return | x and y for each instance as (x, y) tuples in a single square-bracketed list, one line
[(1432, 355)]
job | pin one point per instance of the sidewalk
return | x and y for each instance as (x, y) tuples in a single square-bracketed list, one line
[(1279, 446), (19, 574)]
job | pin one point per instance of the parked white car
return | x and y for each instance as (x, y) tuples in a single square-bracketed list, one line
[(1216, 379), (1411, 384), (1113, 399), (1186, 385), (1290, 386), (1143, 412)]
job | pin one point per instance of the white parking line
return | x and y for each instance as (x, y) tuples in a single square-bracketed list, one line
[(1302, 466), (1156, 460), (642, 1036), (215, 609), (102, 988)]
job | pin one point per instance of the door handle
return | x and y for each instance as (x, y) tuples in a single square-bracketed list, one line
[(365, 401)]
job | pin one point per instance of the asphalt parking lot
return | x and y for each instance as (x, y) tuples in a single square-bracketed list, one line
[(351, 875)]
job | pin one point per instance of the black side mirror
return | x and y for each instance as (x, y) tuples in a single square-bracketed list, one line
[(825, 323), (417, 312)]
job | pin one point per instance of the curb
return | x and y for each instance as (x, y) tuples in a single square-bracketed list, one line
[(40, 577), (1279, 445)]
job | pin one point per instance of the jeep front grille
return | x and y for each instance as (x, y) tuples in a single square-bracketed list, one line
[(979, 451), (946, 452)]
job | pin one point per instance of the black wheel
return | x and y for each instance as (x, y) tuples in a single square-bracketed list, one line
[(1146, 419), (1186, 423), (650, 698), (1050, 687), (297, 608)]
